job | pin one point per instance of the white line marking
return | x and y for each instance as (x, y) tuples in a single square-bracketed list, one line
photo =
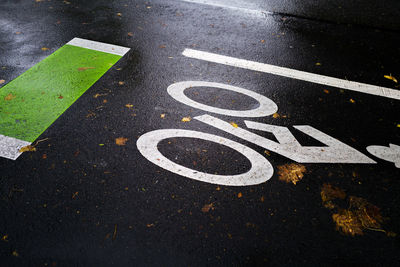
[(391, 153), (9, 147), (261, 170), (98, 46), (214, 4), (267, 106), (295, 74)]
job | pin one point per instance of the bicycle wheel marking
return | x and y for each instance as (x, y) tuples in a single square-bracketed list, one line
[(34, 100), (261, 170)]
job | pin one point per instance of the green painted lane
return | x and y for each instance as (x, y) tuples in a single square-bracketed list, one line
[(34, 100)]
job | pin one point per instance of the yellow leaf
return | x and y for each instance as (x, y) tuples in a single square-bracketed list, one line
[(9, 97), (398, 125), (347, 222), (234, 124), (119, 14), (162, 116), (291, 172), (121, 83), (15, 253), (186, 119), (129, 105), (2, 81), (275, 115), (326, 91), (352, 101), (206, 208), (121, 141), (390, 77), (330, 193), (27, 148), (45, 48), (239, 195), (318, 64)]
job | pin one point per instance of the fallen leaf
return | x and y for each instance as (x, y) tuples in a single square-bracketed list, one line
[(129, 105), (162, 116), (398, 125), (239, 195), (98, 95), (130, 33), (60, 97), (9, 97), (150, 225), (234, 124), (119, 14), (105, 101), (44, 156), (5, 238), (390, 77), (121, 141), (318, 64), (121, 83), (15, 253), (368, 214), (326, 91), (262, 41), (266, 152), (85, 68), (347, 222), (186, 119), (27, 148), (74, 195), (291, 172), (352, 101), (45, 48), (17, 33), (162, 46), (2, 81), (275, 115), (329, 193), (206, 208)]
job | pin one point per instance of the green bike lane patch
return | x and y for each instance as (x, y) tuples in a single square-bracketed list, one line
[(34, 100)]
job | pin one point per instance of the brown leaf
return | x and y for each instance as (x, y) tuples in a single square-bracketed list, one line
[(162, 46), (121, 83), (206, 208), (85, 68), (291, 172), (130, 34), (9, 97), (27, 148), (368, 214), (347, 222), (239, 195), (60, 97), (329, 193), (121, 141)]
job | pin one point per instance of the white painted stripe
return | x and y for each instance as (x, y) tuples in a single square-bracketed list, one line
[(295, 74), (215, 4), (9, 147), (98, 46)]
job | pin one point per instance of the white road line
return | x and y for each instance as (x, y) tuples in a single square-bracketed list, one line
[(9, 147), (295, 74), (214, 4), (98, 46)]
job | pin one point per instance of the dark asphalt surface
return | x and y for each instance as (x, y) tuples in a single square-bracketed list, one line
[(81, 200)]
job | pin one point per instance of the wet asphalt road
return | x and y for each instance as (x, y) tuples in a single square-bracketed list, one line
[(82, 200)]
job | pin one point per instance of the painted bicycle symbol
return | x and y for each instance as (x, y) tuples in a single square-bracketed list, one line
[(261, 169)]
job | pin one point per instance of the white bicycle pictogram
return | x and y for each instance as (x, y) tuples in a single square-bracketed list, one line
[(261, 169)]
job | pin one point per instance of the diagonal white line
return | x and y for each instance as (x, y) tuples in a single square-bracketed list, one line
[(295, 74)]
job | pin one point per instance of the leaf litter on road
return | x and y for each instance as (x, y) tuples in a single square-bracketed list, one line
[(291, 173)]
